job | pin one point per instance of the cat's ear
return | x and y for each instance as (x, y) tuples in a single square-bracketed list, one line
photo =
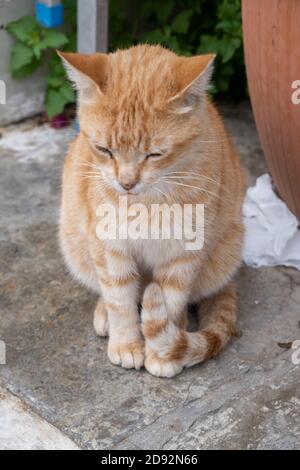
[(193, 75), (88, 72)]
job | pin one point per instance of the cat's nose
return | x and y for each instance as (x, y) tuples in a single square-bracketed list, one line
[(128, 185), (127, 179)]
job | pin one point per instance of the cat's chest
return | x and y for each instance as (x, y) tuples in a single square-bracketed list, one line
[(151, 253), (152, 236)]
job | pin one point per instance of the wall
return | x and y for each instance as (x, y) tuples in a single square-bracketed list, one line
[(24, 98)]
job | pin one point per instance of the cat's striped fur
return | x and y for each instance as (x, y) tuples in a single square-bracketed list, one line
[(175, 347)]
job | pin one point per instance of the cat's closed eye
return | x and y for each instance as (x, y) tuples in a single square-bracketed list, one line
[(153, 155), (104, 150)]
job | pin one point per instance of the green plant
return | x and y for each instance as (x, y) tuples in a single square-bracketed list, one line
[(35, 46), (187, 27)]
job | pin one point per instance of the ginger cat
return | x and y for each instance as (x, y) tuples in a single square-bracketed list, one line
[(148, 131)]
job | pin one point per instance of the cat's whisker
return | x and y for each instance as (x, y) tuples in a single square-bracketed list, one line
[(161, 192), (102, 182), (98, 177), (196, 177), (92, 173), (191, 177), (193, 187), (211, 141), (101, 186), (186, 174), (183, 173), (89, 164)]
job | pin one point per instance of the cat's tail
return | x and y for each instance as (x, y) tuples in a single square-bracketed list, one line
[(169, 344)]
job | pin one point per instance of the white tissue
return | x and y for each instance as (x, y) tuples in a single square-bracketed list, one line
[(272, 236)]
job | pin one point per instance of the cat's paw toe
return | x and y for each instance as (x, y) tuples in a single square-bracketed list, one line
[(100, 319), (160, 368), (127, 355)]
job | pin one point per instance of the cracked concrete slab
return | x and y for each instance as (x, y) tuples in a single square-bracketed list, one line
[(22, 429), (248, 397)]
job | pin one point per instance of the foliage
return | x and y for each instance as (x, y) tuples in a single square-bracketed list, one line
[(35, 46), (187, 27)]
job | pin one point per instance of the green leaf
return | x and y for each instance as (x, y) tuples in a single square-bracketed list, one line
[(70, 12), (222, 80), (55, 102), (27, 69), (57, 99), (229, 10), (173, 43), (24, 28), (146, 10), (56, 68), (163, 9), (52, 38), (55, 82), (67, 92), (208, 43), (231, 27), (228, 47), (21, 55), (72, 44), (154, 37), (181, 22)]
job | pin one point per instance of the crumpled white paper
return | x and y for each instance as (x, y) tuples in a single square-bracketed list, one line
[(272, 235)]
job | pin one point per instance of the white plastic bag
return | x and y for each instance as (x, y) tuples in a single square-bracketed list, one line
[(272, 234)]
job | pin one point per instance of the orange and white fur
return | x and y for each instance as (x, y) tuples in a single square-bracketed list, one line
[(148, 131)]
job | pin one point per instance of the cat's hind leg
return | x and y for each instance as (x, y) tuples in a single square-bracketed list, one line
[(170, 348), (101, 319), (160, 334)]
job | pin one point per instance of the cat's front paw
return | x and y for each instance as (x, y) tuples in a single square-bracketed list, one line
[(160, 367), (127, 355)]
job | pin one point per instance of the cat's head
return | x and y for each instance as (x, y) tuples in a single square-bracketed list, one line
[(140, 111)]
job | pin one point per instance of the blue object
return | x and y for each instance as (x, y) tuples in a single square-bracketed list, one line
[(49, 16), (76, 125)]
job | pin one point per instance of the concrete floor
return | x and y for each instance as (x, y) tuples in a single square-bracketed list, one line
[(58, 380)]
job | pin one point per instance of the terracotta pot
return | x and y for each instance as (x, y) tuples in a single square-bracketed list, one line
[(272, 49)]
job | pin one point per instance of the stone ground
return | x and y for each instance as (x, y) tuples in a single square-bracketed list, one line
[(58, 389)]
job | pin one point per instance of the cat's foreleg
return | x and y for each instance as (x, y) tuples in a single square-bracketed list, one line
[(119, 283)]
